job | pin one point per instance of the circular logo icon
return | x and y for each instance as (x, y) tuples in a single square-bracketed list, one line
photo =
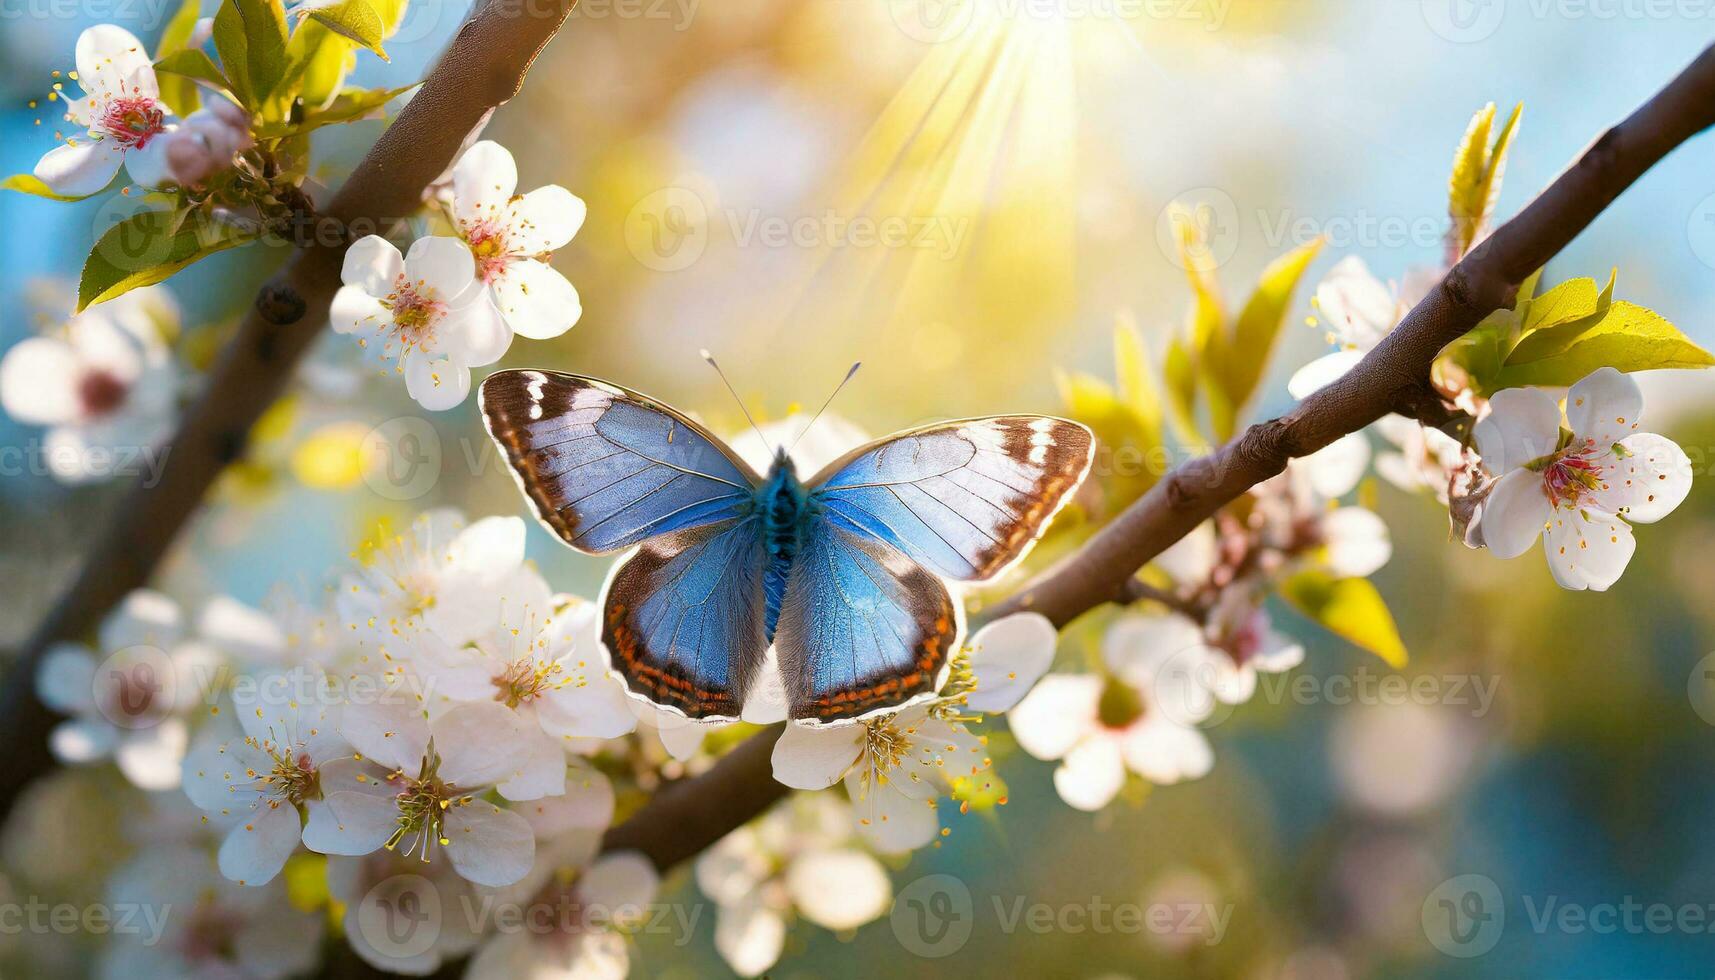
[(136, 687), (1199, 229), (1184, 686), (668, 230), (132, 234), (1464, 916), (1464, 21), (1700, 231), (932, 21), (932, 917), (401, 458), (1700, 689), (401, 917)]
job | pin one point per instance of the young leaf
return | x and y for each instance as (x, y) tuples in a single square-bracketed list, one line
[(250, 36), (31, 184), (1136, 375), (1259, 324), (350, 105), (1628, 338), (1475, 186), (1350, 608), (317, 61), (1551, 328), (149, 247), (195, 66), (180, 93), (1180, 374), (355, 20)]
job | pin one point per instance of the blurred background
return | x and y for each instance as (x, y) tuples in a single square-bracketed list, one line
[(800, 185)]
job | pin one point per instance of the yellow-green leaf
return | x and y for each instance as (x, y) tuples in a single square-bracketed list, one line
[(149, 247), (1475, 186), (357, 21), (1136, 375), (1628, 338), (1259, 323), (193, 64), (1350, 608), (1551, 327), (33, 185), (317, 61), (180, 93), (251, 36), (1179, 373), (349, 105)]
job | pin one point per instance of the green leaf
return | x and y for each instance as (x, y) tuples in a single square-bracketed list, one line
[(196, 66), (351, 104), (31, 184), (1259, 324), (179, 93), (357, 21), (1550, 328), (1475, 186), (250, 36), (1628, 338), (1137, 388), (1350, 608), (1179, 373), (151, 246), (317, 61)]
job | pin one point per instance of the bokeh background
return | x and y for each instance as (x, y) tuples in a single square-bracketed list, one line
[(1029, 171)]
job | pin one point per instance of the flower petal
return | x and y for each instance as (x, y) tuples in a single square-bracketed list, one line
[(1335, 470), (596, 708), (110, 59), (79, 741), (863, 895), (1135, 643), (477, 744), (1514, 514), (1356, 306), (443, 265), (350, 823), (484, 181), (890, 821), (1322, 372), (1059, 711), (65, 679), (485, 335), (147, 165), (1587, 549), (437, 384), (1008, 657), (256, 849), (621, 884), (750, 936), (540, 768), (389, 731), (1523, 424), (153, 758), (815, 756), (537, 301), (1191, 559), (81, 167), (1646, 480), (1091, 774), (355, 311), (1357, 541), (488, 845), (1163, 752), (1605, 406), (38, 382)]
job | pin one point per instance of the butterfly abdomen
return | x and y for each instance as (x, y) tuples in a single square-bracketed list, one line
[(785, 506)]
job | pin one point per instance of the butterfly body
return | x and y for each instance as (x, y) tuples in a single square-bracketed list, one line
[(842, 575)]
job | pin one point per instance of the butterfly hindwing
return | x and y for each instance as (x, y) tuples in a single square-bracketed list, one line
[(966, 499), (607, 468), (862, 626), (682, 619)]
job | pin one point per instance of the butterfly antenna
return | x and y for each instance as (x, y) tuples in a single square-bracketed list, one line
[(754, 427), (837, 389)]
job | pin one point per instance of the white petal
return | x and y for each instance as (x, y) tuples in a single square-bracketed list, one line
[(1163, 752), (1008, 657), (1587, 549), (598, 707), (477, 743), (111, 57), (814, 756), (492, 546), (1058, 712), (1356, 306), (1605, 406), (1523, 424), (540, 769), (241, 631), (1334, 470), (750, 936), (354, 311), (65, 679), (350, 823), (79, 741), (1322, 372), (1135, 644), (484, 181), (682, 739), (488, 845), (621, 884), (38, 382), (890, 821), (485, 336), (214, 773), (1514, 514), (1091, 774), (147, 165), (389, 731), (373, 265), (257, 848), (537, 301), (80, 168), (586, 805), (443, 265), (1646, 483), (862, 891), (437, 384), (1357, 541), (152, 758), (544, 220), (1191, 559)]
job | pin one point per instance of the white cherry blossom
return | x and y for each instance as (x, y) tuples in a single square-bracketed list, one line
[(121, 110), (441, 573), (423, 313), (512, 237), (594, 903), (1358, 310), (1577, 489)]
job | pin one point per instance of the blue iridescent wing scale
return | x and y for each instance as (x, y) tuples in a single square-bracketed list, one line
[(965, 499), (607, 468), (862, 628), (682, 619)]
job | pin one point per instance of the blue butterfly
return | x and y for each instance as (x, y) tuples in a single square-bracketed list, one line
[(841, 573)]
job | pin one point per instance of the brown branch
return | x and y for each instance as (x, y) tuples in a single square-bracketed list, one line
[(483, 68)]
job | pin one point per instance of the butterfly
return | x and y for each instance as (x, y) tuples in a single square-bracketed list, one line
[(842, 573)]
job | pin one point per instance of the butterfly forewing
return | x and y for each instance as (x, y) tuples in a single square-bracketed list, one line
[(607, 468), (966, 499)]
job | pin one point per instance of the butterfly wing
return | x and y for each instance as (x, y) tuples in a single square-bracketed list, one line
[(682, 619), (862, 627), (607, 468), (965, 499)]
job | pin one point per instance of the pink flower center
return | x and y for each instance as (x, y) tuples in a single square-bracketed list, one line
[(100, 393), (1569, 475), (487, 241), (132, 121), (416, 312)]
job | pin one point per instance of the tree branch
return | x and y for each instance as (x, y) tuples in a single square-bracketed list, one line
[(482, 69)]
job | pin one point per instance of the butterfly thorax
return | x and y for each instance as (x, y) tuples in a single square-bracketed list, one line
[(784, 506)]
